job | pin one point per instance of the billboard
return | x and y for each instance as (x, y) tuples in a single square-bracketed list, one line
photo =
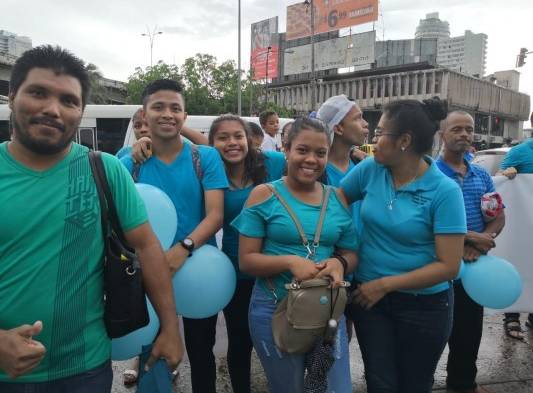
[(349, 51), (264, 61), (329, 15)]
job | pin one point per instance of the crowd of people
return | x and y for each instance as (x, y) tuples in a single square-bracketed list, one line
[(397, 226)]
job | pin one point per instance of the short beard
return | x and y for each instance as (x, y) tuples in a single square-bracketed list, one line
[(35, 145)]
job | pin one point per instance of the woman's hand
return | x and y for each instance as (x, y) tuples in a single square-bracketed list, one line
[(142, 150), (333, 269), (303, 269), (369, 293)]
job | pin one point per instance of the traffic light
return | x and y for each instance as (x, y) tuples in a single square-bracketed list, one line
[(521, 57)]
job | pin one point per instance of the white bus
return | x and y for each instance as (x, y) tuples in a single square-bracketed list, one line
[(102, 126), (108, 127)]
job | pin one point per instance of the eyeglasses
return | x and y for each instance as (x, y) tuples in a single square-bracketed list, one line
[(378, 133)]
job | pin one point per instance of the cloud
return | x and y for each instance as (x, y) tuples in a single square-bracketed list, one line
[(108, 32)]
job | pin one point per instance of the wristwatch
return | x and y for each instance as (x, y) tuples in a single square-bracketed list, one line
[(188, 244)]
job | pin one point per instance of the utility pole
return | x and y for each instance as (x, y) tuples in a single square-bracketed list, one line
[(239, 88), (313, 74)]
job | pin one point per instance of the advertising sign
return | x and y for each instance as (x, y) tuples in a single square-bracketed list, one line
[(265, 48), (330, 15), (349, 51)]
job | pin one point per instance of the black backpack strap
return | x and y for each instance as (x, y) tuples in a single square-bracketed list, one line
[(93, 157), (196, 163), (102, 185)]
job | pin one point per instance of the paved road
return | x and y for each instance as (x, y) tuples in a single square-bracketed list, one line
[(505, 365)]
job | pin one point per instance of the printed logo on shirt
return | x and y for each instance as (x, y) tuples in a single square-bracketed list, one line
[(419, 200), (81, 209)]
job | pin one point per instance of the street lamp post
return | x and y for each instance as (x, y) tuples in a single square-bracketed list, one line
[(239, 93), (151, 36)]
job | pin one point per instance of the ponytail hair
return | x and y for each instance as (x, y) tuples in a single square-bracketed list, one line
[(418, 119)]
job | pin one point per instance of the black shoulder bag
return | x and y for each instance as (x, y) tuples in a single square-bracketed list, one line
[(125, 303)]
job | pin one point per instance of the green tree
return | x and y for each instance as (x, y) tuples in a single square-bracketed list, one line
[(98, 94), (209, 88), (201, 96), (140, 78)]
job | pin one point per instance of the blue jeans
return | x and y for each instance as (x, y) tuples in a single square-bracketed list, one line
[(97, 380), (285, 372), (402, 338)]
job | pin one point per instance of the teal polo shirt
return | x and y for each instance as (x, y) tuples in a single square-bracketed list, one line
[(520, 157), (399, 226)]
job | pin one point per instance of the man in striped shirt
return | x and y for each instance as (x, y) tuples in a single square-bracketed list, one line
[(457, 132)]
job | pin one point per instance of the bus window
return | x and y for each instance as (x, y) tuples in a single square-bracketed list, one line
[(111, 133), (4, 130), (87, 137)]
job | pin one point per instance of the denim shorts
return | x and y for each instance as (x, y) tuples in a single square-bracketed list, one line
[(285, 372)]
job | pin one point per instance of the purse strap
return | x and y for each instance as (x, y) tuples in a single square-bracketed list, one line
[(318, 231), (108, 211), (311, 248)]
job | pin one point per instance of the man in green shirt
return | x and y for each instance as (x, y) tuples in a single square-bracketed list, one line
[(52, 334)]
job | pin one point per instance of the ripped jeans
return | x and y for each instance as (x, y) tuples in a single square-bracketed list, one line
[(285, 372)]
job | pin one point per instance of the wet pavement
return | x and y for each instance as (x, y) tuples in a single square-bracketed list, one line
[(505, 365)]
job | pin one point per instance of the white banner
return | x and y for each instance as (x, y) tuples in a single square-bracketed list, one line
[(515, 242), (348, 51)]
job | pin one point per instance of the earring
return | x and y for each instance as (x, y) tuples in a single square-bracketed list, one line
[(403, 148)]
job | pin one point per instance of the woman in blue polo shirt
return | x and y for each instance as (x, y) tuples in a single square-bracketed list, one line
[(411, 246)]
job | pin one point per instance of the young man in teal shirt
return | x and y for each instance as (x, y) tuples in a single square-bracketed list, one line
[(196, 188), (52, 334), (348, 128)]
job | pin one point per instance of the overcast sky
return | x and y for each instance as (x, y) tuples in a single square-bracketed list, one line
[(108, 32)]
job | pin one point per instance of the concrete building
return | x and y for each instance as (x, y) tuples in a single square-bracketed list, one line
[(466, 54), (508, 78), (400, 52), (13, 44), (498, 112), (114, 91), (433, 27)]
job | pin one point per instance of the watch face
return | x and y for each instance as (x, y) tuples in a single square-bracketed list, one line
[(188, 243)]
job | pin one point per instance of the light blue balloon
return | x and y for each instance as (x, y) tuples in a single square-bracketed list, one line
[(161, 213), (205, 283), (131, 344), (492, 282)]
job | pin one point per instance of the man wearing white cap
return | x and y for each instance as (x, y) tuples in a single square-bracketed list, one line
[(348, 129)]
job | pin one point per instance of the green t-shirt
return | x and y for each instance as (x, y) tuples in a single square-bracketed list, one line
[(51, 251)]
